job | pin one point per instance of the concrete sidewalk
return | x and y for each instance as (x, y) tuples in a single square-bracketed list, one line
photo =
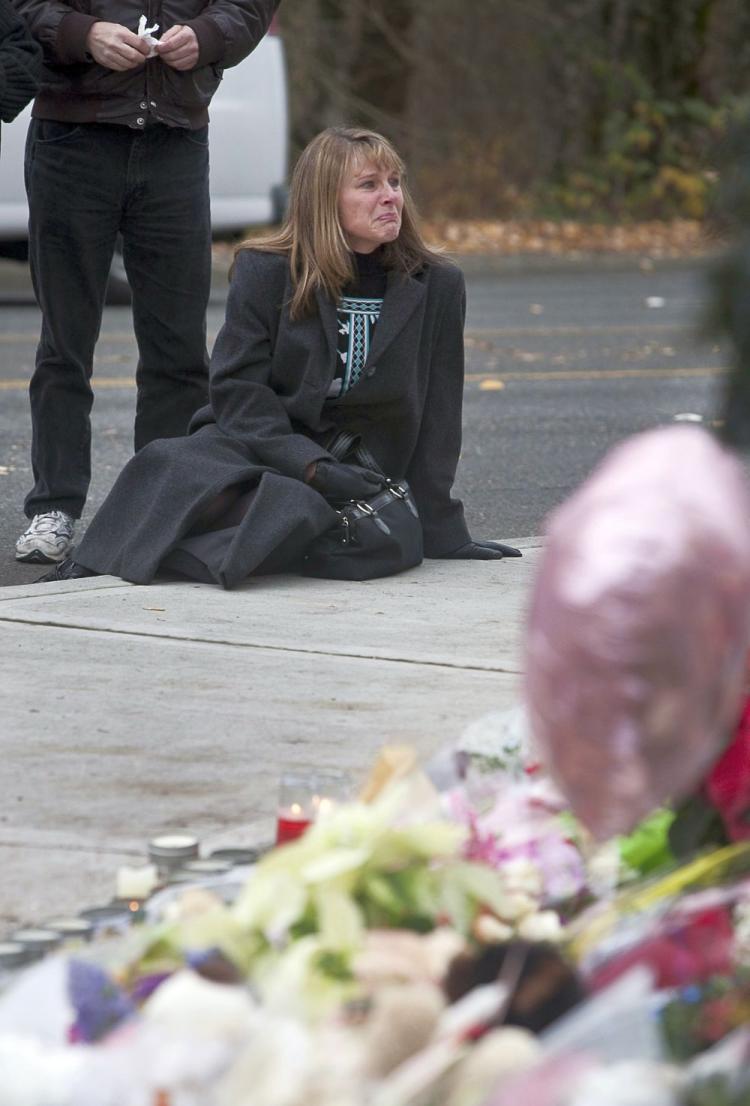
[(129, 711)]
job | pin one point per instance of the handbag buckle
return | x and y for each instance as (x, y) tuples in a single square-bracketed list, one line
[(397, 490)]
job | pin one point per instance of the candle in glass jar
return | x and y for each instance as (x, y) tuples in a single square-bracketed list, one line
[(71, 930), (13, 958), (172, 850), (136, 883), (305, 795), (114, 918), (291, 822), (239, 856), (37, 942)]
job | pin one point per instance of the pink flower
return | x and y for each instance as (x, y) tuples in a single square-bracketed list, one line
[(521, 822)]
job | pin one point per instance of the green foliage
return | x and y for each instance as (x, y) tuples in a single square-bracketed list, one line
[(335, 965), (697, 824), (598, 109), (647, 849), (716, 1090), (701, 1015), (652, 158)]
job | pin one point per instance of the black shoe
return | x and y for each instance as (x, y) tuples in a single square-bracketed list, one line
[(65, 570)]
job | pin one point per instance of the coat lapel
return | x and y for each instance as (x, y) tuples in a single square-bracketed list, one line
[(402, 294), (329, 321)]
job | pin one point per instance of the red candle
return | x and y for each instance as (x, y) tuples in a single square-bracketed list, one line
[(291, 823)]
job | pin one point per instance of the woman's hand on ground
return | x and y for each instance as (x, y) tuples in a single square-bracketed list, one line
[(339, 481), (482, 551)]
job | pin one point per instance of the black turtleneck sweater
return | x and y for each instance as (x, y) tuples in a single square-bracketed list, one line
[(358, 311)]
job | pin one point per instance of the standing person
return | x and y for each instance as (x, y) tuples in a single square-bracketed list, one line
[(343, 320), (118, 143), (20, 63)]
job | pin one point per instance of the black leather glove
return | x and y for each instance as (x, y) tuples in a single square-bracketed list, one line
[(481, 551), (338, 481)]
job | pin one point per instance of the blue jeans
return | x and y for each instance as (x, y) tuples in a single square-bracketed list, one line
[(86, 183)]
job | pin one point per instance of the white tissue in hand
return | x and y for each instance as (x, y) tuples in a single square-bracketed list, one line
[(147, 34)]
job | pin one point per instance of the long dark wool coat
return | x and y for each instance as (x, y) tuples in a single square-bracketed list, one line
[(268, 418)]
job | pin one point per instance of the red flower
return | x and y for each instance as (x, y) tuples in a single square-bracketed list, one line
[(728, 786), (686, 951)]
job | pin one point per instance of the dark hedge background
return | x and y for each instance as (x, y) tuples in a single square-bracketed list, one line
[(609, 109)]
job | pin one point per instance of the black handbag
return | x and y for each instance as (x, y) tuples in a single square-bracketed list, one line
[(378, 536)]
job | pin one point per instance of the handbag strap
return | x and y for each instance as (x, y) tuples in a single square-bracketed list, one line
[(341, 444), (345, 442), (366, 459)]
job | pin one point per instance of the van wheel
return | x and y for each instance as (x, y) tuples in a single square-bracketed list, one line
[(118, 289)]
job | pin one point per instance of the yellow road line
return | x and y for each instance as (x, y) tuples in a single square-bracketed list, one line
[(562, 331), (21, 337), (28, 337), (114, 382), (595, 374), (16, 337)]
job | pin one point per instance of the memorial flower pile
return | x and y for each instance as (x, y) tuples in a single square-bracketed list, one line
[(424, 948)]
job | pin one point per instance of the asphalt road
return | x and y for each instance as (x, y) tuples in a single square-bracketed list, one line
[(562, 362)]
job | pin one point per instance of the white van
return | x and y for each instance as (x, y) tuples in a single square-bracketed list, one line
[(249, 139)]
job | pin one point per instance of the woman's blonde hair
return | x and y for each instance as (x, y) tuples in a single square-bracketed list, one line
[(311, 233)]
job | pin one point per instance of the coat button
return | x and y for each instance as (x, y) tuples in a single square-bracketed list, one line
[(372, 370)]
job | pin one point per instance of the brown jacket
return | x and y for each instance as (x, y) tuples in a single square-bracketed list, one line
[(76, 89)]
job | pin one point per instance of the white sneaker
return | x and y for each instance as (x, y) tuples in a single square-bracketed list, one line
[(48, 539)]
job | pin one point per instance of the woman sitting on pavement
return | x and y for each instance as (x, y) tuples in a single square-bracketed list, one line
[(342, 320)]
